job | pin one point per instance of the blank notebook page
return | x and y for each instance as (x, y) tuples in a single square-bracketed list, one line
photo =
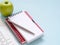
[(23, 20)]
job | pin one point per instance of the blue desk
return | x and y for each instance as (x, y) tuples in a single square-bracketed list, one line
[(47, 14)]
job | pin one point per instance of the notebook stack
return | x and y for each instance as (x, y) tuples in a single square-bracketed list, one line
[(24, 27)]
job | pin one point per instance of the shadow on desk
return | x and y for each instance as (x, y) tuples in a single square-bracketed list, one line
[(38, 41)]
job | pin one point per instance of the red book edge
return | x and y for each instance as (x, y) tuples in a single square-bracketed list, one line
[(16, 32)]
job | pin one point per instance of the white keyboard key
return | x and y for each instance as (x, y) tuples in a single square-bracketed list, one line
[(6, 36)]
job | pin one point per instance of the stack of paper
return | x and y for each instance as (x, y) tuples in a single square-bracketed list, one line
[(25, 28)]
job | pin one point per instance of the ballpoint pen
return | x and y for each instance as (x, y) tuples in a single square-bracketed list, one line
[(26, 30)]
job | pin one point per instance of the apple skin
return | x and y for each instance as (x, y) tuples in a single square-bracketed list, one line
[(6, 8), (0, 7)]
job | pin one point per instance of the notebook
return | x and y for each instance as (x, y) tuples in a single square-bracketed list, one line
[(24, 20), (15, 31), (6, 36)]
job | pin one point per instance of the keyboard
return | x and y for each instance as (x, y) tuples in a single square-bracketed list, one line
[(4, 41), (6, 36)]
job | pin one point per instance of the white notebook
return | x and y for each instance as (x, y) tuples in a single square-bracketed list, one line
[(6, 37), (23, 19)]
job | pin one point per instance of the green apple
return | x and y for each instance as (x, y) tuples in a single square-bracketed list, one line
[(0, 6), (6, 8)]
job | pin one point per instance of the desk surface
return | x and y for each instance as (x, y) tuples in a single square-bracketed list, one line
[(47, 14)]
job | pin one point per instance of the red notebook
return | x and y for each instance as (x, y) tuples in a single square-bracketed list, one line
[(16, 32), (24, 20)]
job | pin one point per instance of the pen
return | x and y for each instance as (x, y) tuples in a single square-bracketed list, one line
[(24, 29)]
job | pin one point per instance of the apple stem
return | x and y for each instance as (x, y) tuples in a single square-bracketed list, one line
[(6, 2)]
